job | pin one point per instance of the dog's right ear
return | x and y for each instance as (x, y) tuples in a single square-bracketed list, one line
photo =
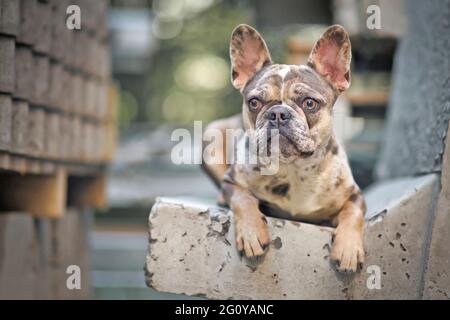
[(331, 57), (248, 53)]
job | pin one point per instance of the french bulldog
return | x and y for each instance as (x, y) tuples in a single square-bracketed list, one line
[(314, 182)]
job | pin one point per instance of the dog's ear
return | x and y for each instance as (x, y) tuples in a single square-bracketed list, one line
[(331, 57), (248, 53)]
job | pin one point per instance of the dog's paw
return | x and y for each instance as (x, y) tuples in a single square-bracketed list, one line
[(348, 251), (252, 237)]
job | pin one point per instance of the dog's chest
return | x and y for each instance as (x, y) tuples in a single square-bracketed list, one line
[(299, 191)]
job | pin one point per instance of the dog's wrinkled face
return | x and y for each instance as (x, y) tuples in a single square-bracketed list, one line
[(296, 100)]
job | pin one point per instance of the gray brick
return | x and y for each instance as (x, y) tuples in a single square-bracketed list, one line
[(43, 24), (9, 17), (19, 126), (27, 34), (18, 258), (41, 72), (397, 241), (23, 72), (58, 28), (36, 132), (65, 132), (56, 86), (52, 136), (5, 121), (7, 70)]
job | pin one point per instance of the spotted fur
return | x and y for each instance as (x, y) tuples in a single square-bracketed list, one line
[(314, 182)]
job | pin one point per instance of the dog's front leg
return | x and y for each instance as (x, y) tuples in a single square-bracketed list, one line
[(348, 249), (252, 234)]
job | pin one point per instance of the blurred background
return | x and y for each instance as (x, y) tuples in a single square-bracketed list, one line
[(170, 61)]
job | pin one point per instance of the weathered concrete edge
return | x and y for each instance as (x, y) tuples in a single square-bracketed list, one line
[(427, 182), (436, 282)]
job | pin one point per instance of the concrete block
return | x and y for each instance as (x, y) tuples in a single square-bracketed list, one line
[(71, 98), (65, 101), (43, 24), (417, 124), (76, 138), (437, 281), (9, 17), (89, 141), (104, 62), (192, 250), (101, 18), (101, 105), (5, 121), (52, 136), (19, 126), (398, 229), (91, 56), (56, 85), (41, 73), (7, 70), (77, 93), (27, 33), (77, 49), (23, 72), (36, 132), (65, 133), (58, 28), (91, 91), (71, 236)]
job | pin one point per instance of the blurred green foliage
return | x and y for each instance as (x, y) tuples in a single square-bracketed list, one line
[(188, 77), (178, 90)]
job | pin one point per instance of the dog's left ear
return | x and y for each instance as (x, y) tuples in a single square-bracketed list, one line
[(331, 57), (248, 53)]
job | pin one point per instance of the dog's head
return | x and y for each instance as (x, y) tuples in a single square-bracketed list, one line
[(295, 99)]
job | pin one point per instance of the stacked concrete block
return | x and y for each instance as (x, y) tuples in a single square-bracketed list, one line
[(24, 73), (7, 70), (36, 132), (59, 73), (9, 17), (5, 121), (42, 27), (41, 76), (27, 12), (19, 127)]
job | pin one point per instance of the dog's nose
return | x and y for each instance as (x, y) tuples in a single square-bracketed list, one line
[(279, 115)]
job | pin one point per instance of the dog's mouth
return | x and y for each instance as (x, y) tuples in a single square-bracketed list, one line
[(291, 145)]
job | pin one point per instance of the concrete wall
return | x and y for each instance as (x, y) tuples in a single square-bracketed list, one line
[(419, 108)]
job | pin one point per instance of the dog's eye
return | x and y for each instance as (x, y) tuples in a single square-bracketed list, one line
[(254, 104), (310, 104)]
